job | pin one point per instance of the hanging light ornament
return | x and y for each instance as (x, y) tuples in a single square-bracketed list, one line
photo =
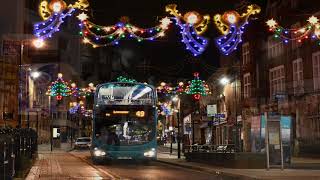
[(310, 29), (180, 88), (192, 25), (59, 88), (197, 87), (166, 108), (98, 35), (53, 14), (75, 91), (231, 24)]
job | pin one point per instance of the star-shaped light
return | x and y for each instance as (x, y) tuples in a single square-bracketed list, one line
[(83, 16), (165, 23), (313, 20), (271, 23), (85, 41)]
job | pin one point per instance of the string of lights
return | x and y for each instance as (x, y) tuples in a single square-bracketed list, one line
[(310, 29)]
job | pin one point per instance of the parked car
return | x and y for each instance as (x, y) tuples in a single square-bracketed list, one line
[(82, 142)]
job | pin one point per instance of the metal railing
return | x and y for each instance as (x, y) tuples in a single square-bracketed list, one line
[(16, 147), (225, 148)]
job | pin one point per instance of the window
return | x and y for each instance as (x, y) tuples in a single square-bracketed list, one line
[(275, 47), (316, 70), (245, 53), (277, 80), (297, 76), (246, 85)]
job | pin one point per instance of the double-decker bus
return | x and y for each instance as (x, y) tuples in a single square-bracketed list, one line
[(124, 122)]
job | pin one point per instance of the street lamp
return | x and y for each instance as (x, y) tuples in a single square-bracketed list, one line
[(177, 100), (35, 74), (224, 81), (37, 43)]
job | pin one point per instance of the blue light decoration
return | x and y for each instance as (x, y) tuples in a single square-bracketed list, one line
[(47, 28), (231, 24), (166, 109), (229, 42), (194, 43), (53, 13), (192, 24), (74, 109)]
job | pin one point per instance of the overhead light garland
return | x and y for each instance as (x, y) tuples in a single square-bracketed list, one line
[(197, 87), (164, 89), (59, 88), (180, 89), (98, 35), (194, 24), (125, 79), (310, 29), (231, 24), (88, 91)]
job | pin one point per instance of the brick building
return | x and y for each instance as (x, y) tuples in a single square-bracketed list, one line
[(282, 77)]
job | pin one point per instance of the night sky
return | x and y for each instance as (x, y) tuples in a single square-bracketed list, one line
[(166, 58)]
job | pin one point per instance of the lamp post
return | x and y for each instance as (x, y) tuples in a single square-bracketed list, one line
[(35, 75), (37, 43), (224, 81), (177, 99)]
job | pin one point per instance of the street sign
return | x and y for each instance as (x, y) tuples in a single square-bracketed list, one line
[(211, 110), (11, 47), (218, 115)]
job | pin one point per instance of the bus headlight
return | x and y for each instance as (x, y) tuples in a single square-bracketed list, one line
[(98, 152), (151, 153)]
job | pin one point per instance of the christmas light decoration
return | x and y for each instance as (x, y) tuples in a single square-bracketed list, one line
[(193, 25), (74, 108), (88, 91), (53, 14), (180, 88), (46, 9), (200, 22), (310, 29), (231, 24), (59, 88), (197, 87), (166, 109), (126, 80), (47, 28), (164, 89), (75, 91), (98, 36)]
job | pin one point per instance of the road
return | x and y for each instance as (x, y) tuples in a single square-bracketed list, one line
[(153, 170)]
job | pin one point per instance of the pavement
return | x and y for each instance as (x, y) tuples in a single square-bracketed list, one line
[(301, 167), (66, 163)]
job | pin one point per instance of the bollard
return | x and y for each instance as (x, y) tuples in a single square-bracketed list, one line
[(4, 160), (24, 146), (13, 157)]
